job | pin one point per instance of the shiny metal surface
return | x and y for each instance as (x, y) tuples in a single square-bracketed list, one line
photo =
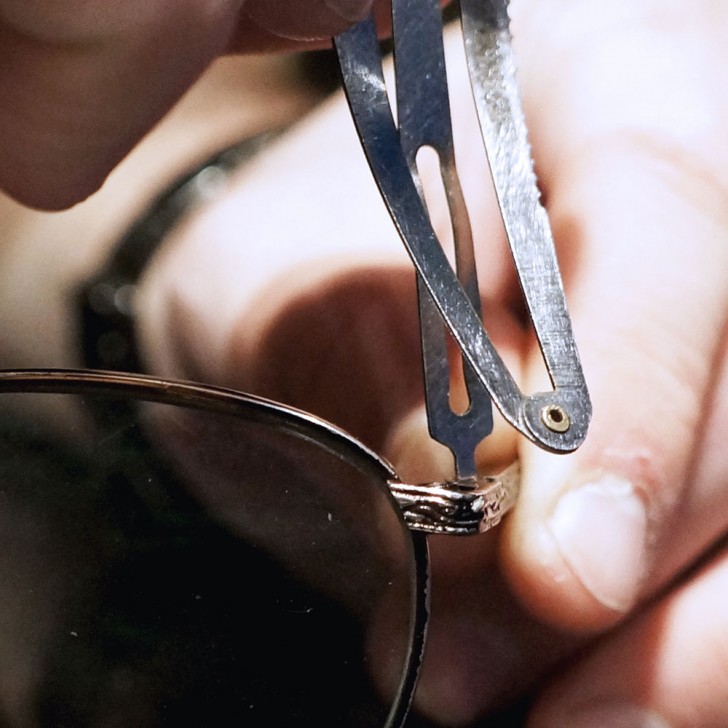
[(464, 507), (423, 109), (491, 63)]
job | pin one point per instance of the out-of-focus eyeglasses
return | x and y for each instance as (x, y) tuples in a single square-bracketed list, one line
[(184, 555), (179, 554)]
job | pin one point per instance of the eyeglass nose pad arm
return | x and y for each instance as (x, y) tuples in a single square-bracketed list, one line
[(556, 420)]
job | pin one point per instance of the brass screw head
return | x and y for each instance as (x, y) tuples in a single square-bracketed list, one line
[(556, 418)]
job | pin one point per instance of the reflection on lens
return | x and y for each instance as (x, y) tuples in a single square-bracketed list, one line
[(179, 566)]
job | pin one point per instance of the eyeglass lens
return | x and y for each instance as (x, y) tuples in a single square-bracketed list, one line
[(194, 566)]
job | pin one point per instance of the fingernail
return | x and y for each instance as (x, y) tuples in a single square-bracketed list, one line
[(614, 716), (349, 10), (321, 17), (601, 529)]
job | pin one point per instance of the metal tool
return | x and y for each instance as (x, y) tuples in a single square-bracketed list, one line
[(449, 298)]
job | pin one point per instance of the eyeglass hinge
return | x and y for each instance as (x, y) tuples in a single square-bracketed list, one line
[(460, 508)]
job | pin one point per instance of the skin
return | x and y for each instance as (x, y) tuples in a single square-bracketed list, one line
[(69, 70), (626, 112)]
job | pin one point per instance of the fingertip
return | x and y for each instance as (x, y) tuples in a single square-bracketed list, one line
[(51, 183), (77, 95), (549, 592), (305, 20), (577, 562), (38, 195)]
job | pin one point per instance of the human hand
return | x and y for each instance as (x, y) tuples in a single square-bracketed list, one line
[(81, 82), (632, 174)]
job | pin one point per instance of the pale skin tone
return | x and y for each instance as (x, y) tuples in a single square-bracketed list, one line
[(627, 116), (69, 70)]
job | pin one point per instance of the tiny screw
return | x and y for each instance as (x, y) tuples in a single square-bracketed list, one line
[(556, 418)]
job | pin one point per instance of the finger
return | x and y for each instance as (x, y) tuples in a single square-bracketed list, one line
[(79, 86), (662, 671), (305, 19), (638, 213)]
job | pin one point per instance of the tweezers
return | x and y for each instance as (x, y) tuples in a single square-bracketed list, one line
[(449, 297)]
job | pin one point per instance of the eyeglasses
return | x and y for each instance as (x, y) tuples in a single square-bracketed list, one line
[(183, 555), (179, 554)]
